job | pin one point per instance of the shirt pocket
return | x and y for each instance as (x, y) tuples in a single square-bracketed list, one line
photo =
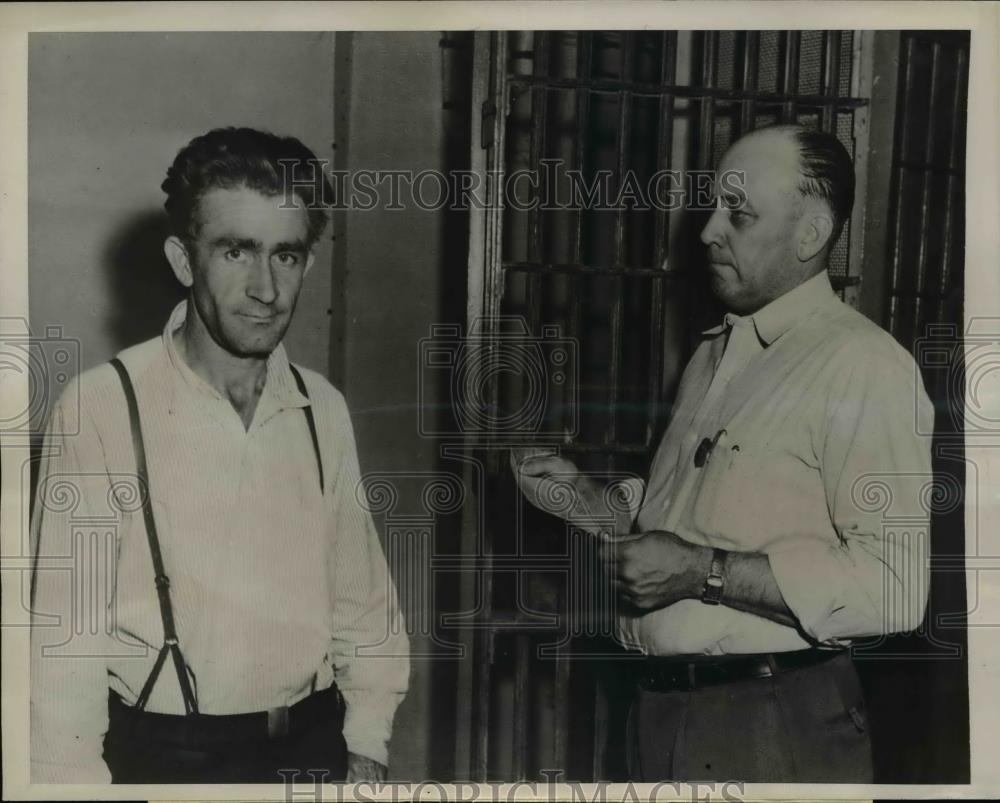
[(747, 496)]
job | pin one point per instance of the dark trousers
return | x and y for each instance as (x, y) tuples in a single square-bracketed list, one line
[(156, 748), (807, 725)]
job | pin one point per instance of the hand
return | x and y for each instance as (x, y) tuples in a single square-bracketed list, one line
[(656, 569), (547, 481), (555, 485), (361, 769)]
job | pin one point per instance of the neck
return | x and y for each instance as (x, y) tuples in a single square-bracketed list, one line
[(239, 379)]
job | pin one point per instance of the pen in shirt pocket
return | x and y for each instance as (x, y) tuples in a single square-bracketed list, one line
[(708, 445)]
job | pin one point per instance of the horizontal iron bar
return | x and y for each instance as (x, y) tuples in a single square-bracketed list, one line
[(593, 270), (655, 90)]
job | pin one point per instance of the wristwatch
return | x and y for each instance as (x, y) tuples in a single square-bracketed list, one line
[(711, 592)]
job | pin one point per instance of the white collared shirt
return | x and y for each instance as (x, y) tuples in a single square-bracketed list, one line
[(274, 584), (815, 414)]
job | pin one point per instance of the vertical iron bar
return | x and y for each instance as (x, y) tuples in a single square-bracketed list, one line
[(949, 219), (790, 76), (751, 59), (600, 730), (561, 706), (925, 190), (664, 146), (624, 149), (831, 78), (522, 657), (539, 109), (710, 40), (583, 69), (901, 154), (483, 684)]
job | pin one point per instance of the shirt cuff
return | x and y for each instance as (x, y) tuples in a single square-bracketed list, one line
[(810, 578), (368, 722)]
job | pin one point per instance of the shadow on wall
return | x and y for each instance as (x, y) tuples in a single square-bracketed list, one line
[(141, 282)]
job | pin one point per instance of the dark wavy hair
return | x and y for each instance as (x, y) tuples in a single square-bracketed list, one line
[(229, 158), (827, 172)]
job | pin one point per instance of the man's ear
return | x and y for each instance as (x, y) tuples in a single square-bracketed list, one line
[(309, 263), (816, 228), (180, 263)]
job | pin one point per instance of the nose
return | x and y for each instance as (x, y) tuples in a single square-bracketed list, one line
[(712, 233), (261, 286)]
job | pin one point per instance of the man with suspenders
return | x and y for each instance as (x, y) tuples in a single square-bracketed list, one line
[(247, 625)]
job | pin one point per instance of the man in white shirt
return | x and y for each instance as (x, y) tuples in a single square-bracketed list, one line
[(760, 548), (254, 564)]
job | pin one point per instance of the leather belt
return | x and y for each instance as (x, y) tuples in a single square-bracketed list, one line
[(208, 731), (666, 675)]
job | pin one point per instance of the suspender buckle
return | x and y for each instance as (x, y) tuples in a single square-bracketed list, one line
[(277, 722)]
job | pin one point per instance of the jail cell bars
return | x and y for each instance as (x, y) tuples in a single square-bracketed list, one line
[(620, 281)]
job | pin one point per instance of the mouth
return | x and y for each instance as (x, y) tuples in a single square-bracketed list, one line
[(258, 319)]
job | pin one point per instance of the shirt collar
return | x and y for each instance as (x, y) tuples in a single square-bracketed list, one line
[(280, 387), (773, 320)]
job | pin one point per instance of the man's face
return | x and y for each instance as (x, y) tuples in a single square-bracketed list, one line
[(752, 249), (247, 264)]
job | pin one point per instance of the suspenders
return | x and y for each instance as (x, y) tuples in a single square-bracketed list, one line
[(311, 422), (170, 643)]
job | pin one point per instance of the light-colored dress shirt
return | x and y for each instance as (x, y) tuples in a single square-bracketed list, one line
[(814, 413), (277, 589)]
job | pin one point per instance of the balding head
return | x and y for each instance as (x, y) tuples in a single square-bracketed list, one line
[(826, 171), (797, 191)]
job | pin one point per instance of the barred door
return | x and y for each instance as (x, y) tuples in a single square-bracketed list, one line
[(585, 311)]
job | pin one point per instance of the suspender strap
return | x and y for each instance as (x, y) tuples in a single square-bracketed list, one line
[(311, 421), (162, 581)]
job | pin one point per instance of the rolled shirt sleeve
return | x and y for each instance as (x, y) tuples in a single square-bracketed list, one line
[(877, 475), (370, 648)]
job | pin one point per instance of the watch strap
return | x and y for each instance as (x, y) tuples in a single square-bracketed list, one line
[(711, 592)]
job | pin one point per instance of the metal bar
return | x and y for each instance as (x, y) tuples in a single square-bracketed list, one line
[(484, 666), (664, 141), (949, 218), (925, 188), (694, 92), (831, 78), (561, 708), (706, 131), (624, 146), (792, 41), (493, 294), (593, 270), (903, 132), (603, 448), (522, 658), (861, 69), (664, 146), (929, 167), (600, 730), (751, 61), (584, 56), (539, 109)]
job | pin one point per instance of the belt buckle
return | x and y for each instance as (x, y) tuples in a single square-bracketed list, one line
[(277, 722)]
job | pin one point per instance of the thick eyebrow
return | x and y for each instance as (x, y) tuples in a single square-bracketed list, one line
[(296, 246), (244, 243), (250, 244)]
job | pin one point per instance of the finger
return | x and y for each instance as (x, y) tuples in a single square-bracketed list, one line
[(536, 466)]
